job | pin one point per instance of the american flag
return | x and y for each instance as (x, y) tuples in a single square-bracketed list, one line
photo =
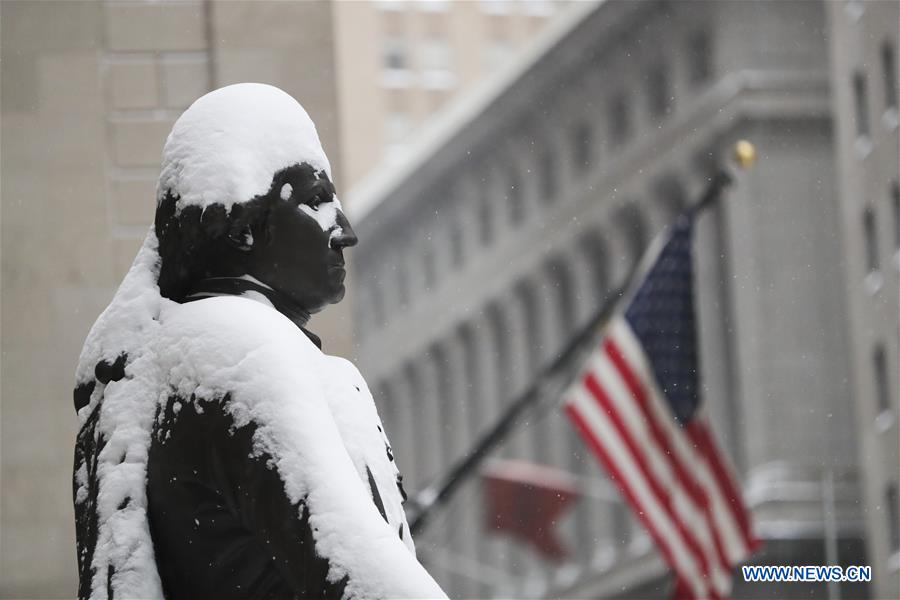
[(636, 403)]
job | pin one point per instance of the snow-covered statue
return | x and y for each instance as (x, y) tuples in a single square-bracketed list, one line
[(221, 454)]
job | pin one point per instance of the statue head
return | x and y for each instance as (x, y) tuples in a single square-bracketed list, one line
[(246, 190)]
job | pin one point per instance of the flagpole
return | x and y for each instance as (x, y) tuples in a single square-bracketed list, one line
[(433, 496), (437, 494)]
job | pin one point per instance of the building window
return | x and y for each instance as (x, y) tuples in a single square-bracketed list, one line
[(403, 289), (659, 91), (394, 54), (525, 295), (632, 224), (563, 288), (582, 147), (619, 119), (547, 173), (889, 70), (699, 57), (514, 197), (882, 388), (870, 229), (429, 265), (593, 249), (861, 101), (893, 516), (472, 379), (499, 356), (456, 243), (485, 216), (895, 200), (670, 194)]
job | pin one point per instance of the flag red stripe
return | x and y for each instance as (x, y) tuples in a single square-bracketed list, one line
[(699, 434), (587, 433), (697, 494), (727, 526), (662, 495)]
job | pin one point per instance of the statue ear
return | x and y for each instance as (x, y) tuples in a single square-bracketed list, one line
[(240, 237), (246, 225)]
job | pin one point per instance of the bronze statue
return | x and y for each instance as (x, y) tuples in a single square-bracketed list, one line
[(221, 454)]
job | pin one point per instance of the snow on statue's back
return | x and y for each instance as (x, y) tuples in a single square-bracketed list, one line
[(221, 453)]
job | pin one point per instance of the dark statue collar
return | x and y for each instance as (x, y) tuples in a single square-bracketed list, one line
[(236, 286)]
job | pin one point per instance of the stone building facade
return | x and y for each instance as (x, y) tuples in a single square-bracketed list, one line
[(522, 210), (865, 73)]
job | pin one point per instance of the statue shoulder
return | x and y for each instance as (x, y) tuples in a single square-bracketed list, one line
[(236, 322), (230, 342), (345, 368)]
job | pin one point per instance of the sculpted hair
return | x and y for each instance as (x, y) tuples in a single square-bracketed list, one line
[(194, 241)]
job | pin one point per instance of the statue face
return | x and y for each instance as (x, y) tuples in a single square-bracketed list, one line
[(306, 233)]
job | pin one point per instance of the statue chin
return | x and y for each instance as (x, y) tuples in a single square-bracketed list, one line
[(333, 298), (339, 295)]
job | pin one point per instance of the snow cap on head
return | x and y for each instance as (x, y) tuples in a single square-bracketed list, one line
[(226, 147)]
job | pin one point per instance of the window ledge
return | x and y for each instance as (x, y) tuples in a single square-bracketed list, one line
[(438, 79), (396, 78)]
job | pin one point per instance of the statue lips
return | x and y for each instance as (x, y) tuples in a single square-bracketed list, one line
[(339, 269)]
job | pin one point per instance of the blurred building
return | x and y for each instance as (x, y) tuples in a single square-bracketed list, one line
[(865, 72), (401, 60), (520, 211), (89, 93)]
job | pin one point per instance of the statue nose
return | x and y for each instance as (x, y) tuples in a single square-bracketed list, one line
[(346, 237)]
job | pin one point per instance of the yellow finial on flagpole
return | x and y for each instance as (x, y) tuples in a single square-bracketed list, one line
[(744, 154)]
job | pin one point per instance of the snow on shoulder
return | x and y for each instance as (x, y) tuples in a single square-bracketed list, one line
[(227, 145), (276, 378)]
